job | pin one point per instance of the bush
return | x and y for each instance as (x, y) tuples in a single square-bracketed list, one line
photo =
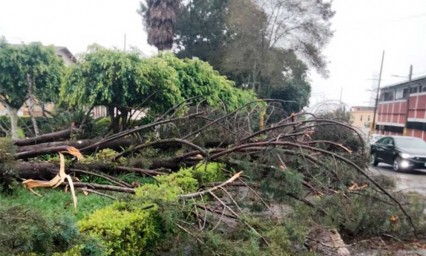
[(26, 231), (123, 230)]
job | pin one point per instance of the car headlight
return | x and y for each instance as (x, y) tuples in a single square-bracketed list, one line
[(405, 155)]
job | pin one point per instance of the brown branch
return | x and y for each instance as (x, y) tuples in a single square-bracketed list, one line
[(104, 176), (359, 170), (104, 187), (134, 130), (97, 193), (201, 193), (142, 171), (166, 141)]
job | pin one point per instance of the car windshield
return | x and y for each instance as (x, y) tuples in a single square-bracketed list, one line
[(410, 143)]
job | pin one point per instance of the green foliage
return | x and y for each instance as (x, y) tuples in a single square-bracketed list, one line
[(38, 63), (123, 80), (25, 230), (7, 149), (210, 172), (280, 184), (54, 202), (7, 175), (27, 70), (122, 230), (244, 40), (369, 213), (86, 246), (282, 238), (337, 133), (128, 228)]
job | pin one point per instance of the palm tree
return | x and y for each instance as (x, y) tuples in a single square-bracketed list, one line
[(159, 17)]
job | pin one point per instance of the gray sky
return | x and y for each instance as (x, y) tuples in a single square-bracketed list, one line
[(363, 29)]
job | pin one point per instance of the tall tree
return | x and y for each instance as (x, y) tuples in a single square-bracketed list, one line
[(159, 17), (201, 30), (301, 26), (265, 45), (27, 70)]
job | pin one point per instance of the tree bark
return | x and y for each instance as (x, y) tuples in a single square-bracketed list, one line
[(54, 136), (13, 115), (29, 151), (30, 104)]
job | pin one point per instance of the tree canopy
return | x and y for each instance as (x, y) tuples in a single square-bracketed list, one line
[(124, 81), (28, 69), (263, 45)]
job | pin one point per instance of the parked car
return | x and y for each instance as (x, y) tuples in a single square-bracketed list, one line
[(402, 152)]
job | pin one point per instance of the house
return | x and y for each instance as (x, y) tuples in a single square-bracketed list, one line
[(401, 109), (362, 116)]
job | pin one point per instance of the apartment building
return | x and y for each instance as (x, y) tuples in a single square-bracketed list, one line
[(401, 109)]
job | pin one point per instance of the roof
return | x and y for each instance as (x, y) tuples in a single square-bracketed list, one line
[(66, 52), (405, 83)]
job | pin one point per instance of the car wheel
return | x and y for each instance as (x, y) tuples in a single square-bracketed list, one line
[(373, 159), (397, 164)]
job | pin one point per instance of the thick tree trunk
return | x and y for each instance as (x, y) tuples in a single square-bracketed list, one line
[(54, 136), (13, 115), (29, 151)]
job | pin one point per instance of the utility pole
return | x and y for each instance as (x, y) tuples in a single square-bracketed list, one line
[(373, 125), (125, 43), (410, 74)]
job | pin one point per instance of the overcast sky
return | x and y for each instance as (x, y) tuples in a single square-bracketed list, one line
[(363, 29)]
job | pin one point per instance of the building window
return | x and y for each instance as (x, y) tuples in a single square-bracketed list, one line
[(414, 89), (399, 94), (368, 118), (360, 118), (388, 96), (405, 93)]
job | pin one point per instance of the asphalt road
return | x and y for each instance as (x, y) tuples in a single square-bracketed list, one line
[(414, 180)]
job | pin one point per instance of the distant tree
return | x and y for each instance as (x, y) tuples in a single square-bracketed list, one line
[(122, 81), (301, 26), (201, 30), (26, 71), (159, 18), (266, 46)]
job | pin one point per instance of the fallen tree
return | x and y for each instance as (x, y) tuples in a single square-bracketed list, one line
[(282, 165)]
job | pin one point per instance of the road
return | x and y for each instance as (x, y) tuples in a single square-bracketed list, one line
[(414, 180)]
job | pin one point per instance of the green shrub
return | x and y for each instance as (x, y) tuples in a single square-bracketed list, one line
[(123, 230), (210, 172), (27, 231)]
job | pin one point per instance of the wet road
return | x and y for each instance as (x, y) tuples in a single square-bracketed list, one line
[(414, 180)]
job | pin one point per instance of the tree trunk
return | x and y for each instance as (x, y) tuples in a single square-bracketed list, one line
[(59, 135), (30, 105), (29, 151), (115, 120), (13, 115)]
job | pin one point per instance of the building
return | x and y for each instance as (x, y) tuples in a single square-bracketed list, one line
[(362, 116), (401, 109)]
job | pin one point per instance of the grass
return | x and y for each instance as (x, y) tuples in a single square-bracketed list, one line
[(55, 202)]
